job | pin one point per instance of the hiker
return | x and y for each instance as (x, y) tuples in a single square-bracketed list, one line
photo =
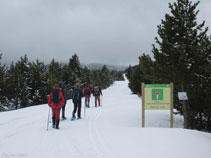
[(61, 85), (76, 98), (56, 101), (87, 94), (96, 93)]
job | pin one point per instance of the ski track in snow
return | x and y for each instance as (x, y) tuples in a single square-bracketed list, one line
[(97, 140), (111, 131)]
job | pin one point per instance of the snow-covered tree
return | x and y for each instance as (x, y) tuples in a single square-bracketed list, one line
[(2, 85), (38, 83)]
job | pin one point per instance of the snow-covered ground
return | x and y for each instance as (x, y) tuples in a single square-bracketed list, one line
[(111, 131)]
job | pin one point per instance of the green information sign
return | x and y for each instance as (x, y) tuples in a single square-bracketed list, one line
[(157, 96)]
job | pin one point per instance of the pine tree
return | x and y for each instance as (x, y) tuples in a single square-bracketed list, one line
[(135, 80), (67, 74), (180, 50), (54, 74), (68, 80), (23, 81), (38, 83), (75, 66), (105, 78), (3, 70), (199, 91), (117, 75), (13, 88), (147, 69), (128, 72), (85, 75), (95, 77), (17, 80)]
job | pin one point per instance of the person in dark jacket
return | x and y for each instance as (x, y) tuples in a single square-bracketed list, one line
[(76, 98), (96, 93), (61, 85), (56, 101)]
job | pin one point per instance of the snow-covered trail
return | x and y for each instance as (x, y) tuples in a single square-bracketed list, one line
[(111, 131)]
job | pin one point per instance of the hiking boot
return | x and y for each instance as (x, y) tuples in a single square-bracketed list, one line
[(73, 118), (64, 118)]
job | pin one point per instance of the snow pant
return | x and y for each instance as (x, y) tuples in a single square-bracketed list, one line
[(63, 111), (97, 98), (56, 117), (56, 113), (87, 100), (77, 107)]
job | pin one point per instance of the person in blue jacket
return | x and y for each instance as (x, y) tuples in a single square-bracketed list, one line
[(76, 98)]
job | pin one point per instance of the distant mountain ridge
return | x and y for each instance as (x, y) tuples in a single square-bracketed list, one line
[(95, 66)]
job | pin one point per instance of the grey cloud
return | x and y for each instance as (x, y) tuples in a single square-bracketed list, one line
[(111, 31)]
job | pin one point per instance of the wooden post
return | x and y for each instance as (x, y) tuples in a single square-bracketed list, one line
[(143, 106), (172, 105)]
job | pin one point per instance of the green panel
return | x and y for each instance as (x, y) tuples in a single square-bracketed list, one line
[(157, 98)]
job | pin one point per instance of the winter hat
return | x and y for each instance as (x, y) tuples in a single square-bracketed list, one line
[(60, 83), (77, 85)]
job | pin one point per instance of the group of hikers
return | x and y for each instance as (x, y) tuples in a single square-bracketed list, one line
[(58, 98)]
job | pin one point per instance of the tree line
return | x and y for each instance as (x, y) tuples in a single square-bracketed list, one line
[(26, 83), (182, 55)]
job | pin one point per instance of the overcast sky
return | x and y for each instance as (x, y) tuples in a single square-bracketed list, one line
[(99, 31)]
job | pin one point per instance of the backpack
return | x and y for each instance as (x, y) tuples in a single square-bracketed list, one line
[(96, 90), (86, 92), (64, 93), (56, 96), (76, 94)]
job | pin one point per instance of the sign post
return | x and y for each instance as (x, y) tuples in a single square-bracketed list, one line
[(143, 109), (172, 105), (157, 97)]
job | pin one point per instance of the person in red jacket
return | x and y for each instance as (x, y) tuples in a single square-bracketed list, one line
[(56, 101), (87, 94)]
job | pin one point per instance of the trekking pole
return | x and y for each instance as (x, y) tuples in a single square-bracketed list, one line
[(102, 100), (84, 109), (91, 101), (48, 117)]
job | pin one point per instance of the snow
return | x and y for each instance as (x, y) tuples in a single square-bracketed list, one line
[(111, 131)]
